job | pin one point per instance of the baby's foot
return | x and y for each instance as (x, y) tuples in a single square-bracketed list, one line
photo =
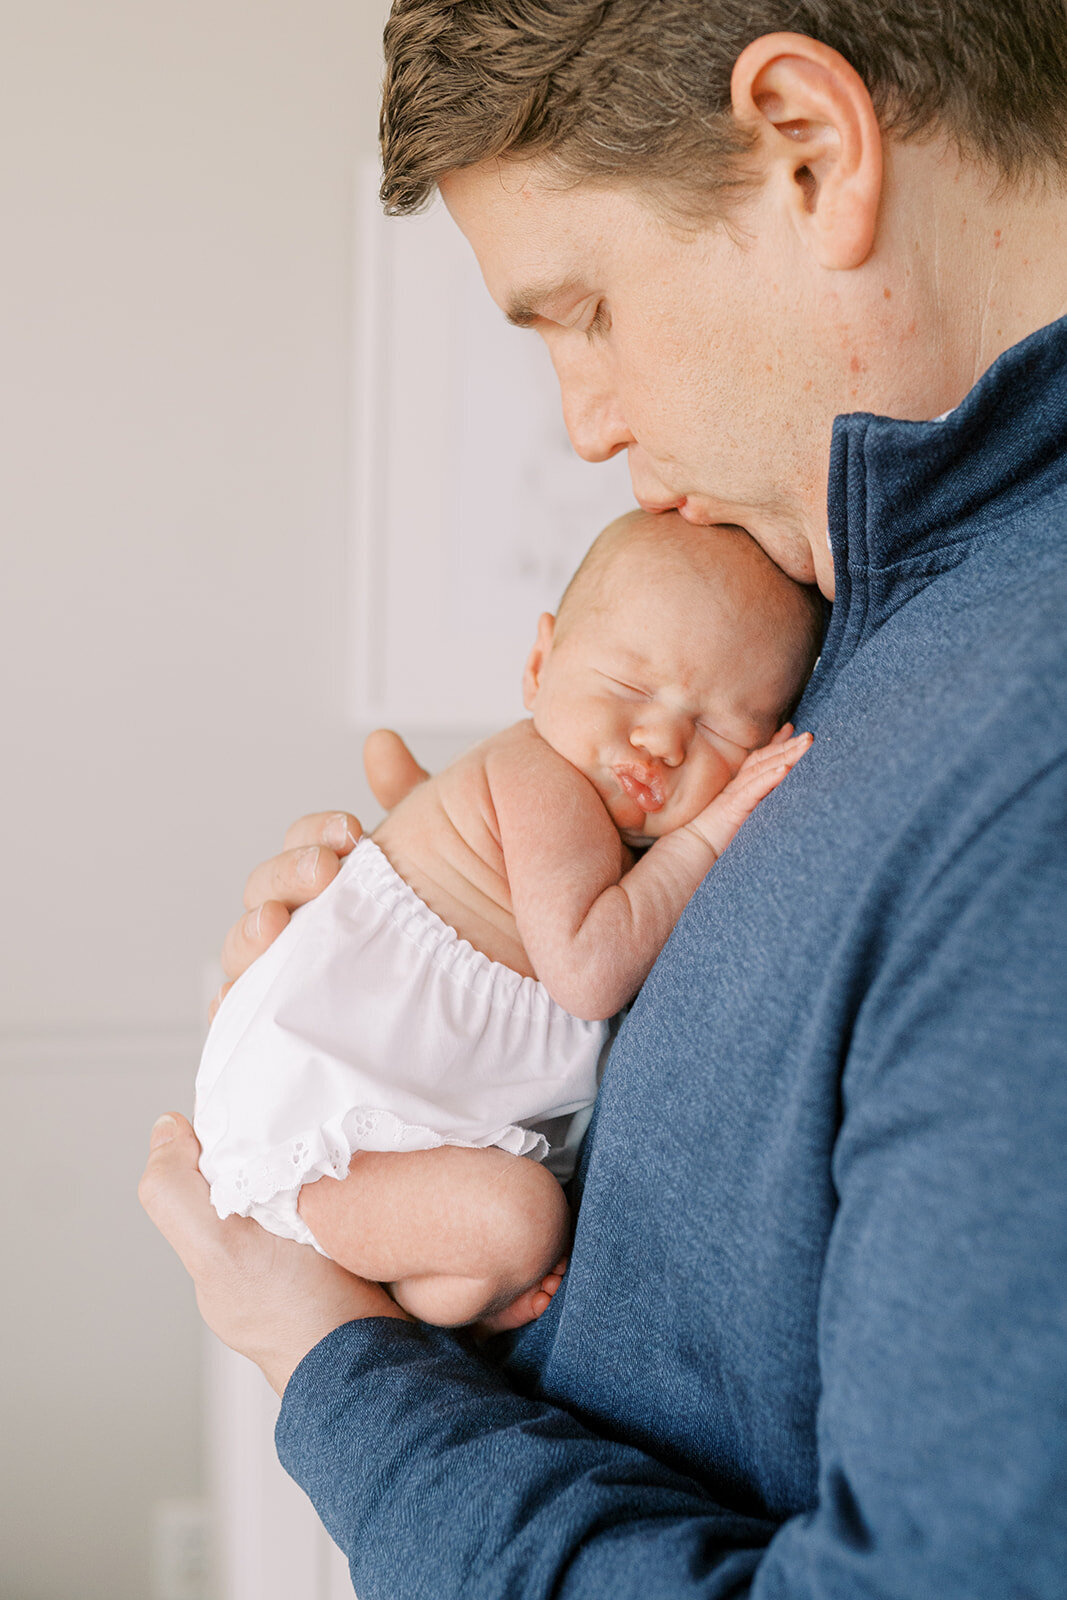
[(530, 1305)]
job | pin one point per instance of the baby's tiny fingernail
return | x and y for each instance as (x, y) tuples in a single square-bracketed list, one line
[(306, 863), (163, 1130), (252, 924)]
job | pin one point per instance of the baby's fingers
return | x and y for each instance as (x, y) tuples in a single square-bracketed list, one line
[(786, 746), (761, 772), (764, 769)]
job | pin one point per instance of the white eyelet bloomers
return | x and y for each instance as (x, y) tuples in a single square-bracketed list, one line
[(370, 1024)]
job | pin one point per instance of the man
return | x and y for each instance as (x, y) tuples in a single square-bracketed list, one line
[(813, 1338)]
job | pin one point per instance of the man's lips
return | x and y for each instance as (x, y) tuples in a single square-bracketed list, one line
[(661, 505), (692, 513), (643, 785)]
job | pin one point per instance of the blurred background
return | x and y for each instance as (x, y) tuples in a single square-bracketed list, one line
[(198, 621)]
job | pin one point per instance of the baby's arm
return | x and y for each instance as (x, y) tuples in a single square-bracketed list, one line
[(590, 928)]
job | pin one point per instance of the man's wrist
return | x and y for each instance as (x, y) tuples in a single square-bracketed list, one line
[(278, 1365)]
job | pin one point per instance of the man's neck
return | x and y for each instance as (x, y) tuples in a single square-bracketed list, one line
[(996, 257)]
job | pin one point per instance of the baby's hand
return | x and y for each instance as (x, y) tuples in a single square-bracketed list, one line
[(761, 771)]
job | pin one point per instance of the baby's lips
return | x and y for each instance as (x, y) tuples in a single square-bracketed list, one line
[(643, 785)]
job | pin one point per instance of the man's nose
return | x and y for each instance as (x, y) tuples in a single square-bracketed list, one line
[(591, 411), (664, 738)]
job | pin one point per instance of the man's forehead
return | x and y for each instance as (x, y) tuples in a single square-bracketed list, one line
[(535, 242)]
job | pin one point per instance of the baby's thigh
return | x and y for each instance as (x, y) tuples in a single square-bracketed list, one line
[(410, 1209)]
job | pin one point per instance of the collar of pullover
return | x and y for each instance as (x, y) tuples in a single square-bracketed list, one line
[(908, 500)]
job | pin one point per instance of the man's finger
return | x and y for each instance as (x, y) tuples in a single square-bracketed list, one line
[(391, 769), (292, 878), (175, 1194), (339, 831), (248, 938), (212, 1009)]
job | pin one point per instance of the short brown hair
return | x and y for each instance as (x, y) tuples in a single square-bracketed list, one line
[(640, 89)]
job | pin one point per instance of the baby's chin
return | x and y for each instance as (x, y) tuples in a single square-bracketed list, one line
[(639, 828)]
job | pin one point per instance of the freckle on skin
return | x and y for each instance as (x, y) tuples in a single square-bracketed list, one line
[(807, 383), (996, 239), (855, 365), (888, 293)]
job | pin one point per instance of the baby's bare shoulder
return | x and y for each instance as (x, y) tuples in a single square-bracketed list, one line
[(519, 753), (546, 810)]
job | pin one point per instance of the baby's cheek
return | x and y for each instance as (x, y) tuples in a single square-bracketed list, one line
[(711, 779)]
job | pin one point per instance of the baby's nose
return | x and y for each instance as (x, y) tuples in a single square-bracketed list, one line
[(664, 739)]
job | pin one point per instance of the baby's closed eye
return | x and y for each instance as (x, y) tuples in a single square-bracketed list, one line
[(622, 686)]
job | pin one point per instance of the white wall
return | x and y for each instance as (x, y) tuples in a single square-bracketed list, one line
[(175, 301)]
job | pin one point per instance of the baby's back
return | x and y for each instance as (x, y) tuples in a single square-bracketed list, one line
[(444, 841)]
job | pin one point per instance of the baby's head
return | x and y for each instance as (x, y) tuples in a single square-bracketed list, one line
[(675, 651)]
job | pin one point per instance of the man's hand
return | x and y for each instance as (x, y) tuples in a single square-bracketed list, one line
[(268, 1298), (311, 856)]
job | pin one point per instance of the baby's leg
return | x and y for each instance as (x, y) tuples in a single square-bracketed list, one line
[(458, 1235)]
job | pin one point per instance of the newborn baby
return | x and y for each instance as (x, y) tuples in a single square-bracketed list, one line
[(373, 1083)]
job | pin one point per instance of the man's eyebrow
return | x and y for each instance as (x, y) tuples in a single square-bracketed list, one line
[(527, 304)]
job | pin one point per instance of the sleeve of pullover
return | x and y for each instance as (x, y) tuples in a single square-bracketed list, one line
[(942, 1336)]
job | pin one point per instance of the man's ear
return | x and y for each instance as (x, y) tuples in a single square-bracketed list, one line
[(535, 661), (817, 138)]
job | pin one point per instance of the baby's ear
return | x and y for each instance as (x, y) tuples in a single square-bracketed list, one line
[(535, 661)]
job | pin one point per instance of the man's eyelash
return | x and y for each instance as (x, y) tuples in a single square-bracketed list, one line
[(601, 322)]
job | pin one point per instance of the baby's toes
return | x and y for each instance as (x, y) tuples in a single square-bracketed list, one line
[(530, 1305)]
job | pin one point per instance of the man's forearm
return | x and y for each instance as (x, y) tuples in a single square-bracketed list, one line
[(395, 1429)]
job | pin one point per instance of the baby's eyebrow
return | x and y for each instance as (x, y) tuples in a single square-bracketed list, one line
[(627, 659)]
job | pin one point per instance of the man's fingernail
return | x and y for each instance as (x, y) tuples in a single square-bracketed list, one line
[(163, 1130), (306, 862), (335, 834)]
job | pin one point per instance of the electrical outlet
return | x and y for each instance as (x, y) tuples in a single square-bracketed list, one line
[(182, 1550)]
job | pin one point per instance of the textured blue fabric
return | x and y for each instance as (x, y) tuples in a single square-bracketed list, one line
[(813, 1340)]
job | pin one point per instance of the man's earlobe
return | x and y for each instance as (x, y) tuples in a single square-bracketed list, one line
[(535, 661), (817, 138)]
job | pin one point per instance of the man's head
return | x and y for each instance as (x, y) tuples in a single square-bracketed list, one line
[(674, 652), (640, 90), (728, 235)]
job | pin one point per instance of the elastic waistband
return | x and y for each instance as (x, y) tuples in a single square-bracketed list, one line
[(411, 917)]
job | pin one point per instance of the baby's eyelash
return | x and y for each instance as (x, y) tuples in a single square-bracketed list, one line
[(721, 738), (627, 688)]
